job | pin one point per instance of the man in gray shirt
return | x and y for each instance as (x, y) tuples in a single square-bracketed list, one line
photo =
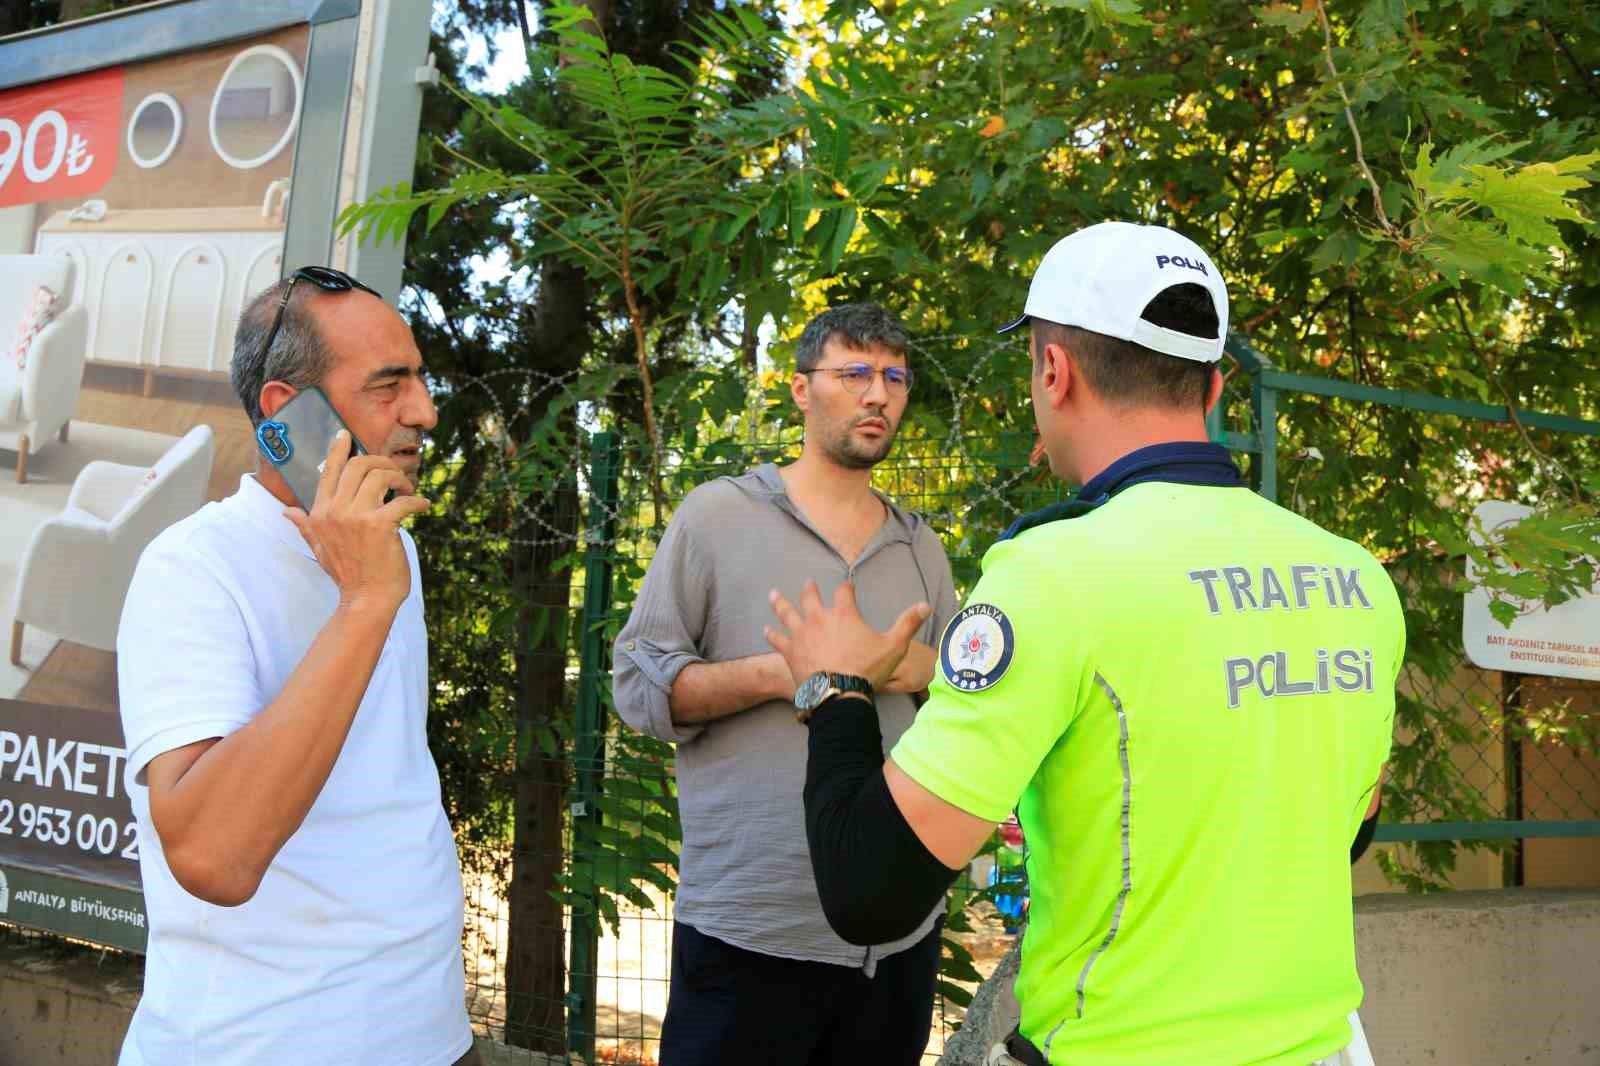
[(757, 973)]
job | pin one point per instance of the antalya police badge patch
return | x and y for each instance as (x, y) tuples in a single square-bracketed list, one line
[(976, 648)]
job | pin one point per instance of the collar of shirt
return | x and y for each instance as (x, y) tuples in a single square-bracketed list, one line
[(266, 510), (1180, 462), (900, 528)]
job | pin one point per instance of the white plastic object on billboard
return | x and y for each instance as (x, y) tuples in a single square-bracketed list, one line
[(167, 101), (293, 68)]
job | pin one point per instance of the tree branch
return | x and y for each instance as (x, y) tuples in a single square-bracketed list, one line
[(522, 24), (1540, 458), (1361, 158), (636, 320), (1561, 44)]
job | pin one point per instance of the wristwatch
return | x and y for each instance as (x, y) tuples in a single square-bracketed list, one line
[(821, 686)]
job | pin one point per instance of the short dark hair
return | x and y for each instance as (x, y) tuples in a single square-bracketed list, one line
[(299, 356), (857, 326), (1127, 373)]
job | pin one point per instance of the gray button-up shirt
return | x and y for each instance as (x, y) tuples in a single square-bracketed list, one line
[(744, 869)]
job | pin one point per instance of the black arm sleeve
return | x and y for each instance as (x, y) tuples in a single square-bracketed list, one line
[(876, 880), (1363, 837)]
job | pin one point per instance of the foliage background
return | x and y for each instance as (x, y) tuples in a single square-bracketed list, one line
[(629, 236), (1397, 190)]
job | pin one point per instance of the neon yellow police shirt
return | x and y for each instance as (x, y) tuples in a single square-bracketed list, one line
[(1191, 692)]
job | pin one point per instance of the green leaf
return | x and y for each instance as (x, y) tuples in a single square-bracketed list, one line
[(982, 183), (959, 967), (1394, 199), (1463, 248), (1475, 384), (741, 218), (1530, 198), (1105, 12), (1284, 17), (800, 204), (954, 993), (1342, 248), (839, 239), (865, 180), (437, 209), (1443, 179), (1279, 236), (1308, 160), (1045, 133), (1503, 612)]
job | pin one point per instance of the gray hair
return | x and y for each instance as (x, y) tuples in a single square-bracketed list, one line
[(858, 326), (299, 356)]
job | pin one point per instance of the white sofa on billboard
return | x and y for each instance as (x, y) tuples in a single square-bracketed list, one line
[(75, 572), (38, 401)]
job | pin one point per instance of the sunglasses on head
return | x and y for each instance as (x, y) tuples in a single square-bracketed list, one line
[(325, 278)]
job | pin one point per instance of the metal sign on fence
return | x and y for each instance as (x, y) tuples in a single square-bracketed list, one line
[(1560, 641)]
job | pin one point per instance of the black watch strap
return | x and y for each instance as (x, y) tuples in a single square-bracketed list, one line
[(823, 686)]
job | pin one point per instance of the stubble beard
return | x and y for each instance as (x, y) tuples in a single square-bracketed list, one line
[(844, 450)]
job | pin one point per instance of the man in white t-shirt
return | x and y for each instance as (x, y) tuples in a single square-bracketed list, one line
[(301, 880)]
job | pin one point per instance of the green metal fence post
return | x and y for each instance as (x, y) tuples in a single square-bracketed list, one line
[(589, 741), (1264, 407), (1263, 438)]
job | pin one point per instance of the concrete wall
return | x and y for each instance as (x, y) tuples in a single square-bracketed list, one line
[(66, 1005), (61, 1005), (1456, 979), (1482, 977)]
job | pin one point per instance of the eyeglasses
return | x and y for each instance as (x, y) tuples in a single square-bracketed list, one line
[(325, 278), (858, 377)]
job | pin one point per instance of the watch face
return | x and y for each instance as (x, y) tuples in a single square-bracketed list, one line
[(811, 691)]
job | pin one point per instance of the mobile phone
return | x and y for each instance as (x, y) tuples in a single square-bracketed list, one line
[(296, 440)]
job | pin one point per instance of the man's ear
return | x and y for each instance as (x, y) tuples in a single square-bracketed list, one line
[(274, 394), (1058, 373), (800, 391), (1213, 389)]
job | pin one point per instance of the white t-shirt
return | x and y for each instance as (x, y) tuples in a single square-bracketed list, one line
[(349, 954)]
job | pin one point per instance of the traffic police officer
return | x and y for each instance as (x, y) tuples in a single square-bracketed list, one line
[(1186, 692)]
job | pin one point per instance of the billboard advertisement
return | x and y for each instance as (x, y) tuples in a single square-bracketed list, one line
[(158, 169)]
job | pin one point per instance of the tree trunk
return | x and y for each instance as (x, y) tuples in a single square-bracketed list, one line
[(15, 16), (535, 966), (522, 24), (749, 340), (536, 984), (76, 9), (536, 978)]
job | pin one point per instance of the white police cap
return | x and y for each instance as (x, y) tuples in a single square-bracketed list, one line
[(1102, 277)]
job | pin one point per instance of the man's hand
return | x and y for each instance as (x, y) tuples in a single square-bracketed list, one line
[(353, 533), (915, 672), (837, 638)]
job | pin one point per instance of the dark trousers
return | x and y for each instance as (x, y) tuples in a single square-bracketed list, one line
[(729, 1006)]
